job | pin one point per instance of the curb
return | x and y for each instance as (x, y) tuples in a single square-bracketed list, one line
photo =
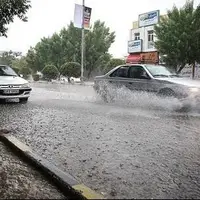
[(61, 83), (65, 182)]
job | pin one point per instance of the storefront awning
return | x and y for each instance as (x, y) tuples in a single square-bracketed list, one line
[(133, 58)]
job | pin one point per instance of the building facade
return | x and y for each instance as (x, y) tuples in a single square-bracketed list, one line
[(141, 46)]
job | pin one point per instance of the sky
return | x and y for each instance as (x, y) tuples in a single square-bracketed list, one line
[(49, 16)]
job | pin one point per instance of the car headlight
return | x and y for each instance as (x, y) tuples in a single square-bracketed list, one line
[(25, 85), (194, 89)]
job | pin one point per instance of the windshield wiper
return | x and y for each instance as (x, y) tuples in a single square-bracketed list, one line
[(162, 75)]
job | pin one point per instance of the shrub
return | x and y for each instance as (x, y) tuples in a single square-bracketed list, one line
[(36, 77), (50, 72), (71, 69)]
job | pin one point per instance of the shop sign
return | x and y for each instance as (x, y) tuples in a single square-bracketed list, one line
[(150, 57), (148, 19), (134, 46)]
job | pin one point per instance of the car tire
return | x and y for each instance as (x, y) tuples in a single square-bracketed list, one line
[(170, 93), (106, 96), (167, 93), (23, 100), (185, 108)]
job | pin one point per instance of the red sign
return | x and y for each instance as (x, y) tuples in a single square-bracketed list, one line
[(87, 16), (150, 57)]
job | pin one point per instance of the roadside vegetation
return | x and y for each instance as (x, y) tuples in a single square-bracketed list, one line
[(178, 42)]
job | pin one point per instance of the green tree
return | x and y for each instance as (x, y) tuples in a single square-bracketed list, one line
[(34, 60), (25, 71), (9, 9), (114, 62), (66, 47), (50, 72), (16, 70), (98, 42), (8, 57), (71, 44), (19, 62), (71, 69), (179, 36)]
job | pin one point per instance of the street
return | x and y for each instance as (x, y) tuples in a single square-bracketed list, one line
[(136, 147)]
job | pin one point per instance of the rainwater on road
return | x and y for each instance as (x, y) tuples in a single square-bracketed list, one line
[(135, 147)]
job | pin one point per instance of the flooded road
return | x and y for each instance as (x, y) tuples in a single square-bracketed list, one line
[(136, 147)]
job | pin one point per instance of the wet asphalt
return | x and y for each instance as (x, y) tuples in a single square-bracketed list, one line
[(136, 147)]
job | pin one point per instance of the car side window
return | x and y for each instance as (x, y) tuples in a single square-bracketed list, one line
[(137, 72), (120, 72)]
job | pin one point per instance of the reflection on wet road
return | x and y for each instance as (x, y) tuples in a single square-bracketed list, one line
[(136, 147)]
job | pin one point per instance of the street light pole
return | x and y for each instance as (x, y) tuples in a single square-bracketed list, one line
[(82, 41)]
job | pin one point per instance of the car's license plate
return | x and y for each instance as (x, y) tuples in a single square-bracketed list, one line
[(11, 91)]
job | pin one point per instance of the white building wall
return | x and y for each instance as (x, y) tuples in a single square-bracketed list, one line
[(144, 36)]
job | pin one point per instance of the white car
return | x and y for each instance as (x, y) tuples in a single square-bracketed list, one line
[(12, 86), (75, 80)]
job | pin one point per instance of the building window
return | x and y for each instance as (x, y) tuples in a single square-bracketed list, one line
[(137, 36), (150, 36), (150, 39)]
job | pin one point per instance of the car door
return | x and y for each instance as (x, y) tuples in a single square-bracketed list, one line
[(138, 78), (119, 77)]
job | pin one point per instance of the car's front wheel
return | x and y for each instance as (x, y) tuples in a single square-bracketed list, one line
[(166, 92), (23, 100)]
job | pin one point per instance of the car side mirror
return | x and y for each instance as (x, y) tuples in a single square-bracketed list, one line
[(21, 75)]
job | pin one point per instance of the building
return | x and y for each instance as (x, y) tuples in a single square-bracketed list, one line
[(141, 46)]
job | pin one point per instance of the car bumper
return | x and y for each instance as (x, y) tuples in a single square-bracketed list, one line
[(23, 93)]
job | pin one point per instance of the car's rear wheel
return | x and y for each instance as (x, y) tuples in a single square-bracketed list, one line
[(23, 100), (105, 95)]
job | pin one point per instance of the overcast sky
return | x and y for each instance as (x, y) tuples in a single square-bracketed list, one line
[(49, 16)]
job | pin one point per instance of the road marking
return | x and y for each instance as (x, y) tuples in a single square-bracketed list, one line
[(87, 192)]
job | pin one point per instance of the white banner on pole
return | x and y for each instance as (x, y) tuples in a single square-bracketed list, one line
[(78, 16)]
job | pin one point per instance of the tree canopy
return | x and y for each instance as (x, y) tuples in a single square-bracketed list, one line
[(9, 9), (178, 36), (7, 57), (50, 72), (71, 69), (114, 62), (65, 46)]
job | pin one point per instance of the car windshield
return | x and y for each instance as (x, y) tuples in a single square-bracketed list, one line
[(7, 71), (160, 71)]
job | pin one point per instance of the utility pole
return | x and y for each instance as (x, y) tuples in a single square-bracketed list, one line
[(82, 42)]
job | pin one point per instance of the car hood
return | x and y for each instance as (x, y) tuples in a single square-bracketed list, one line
[(12, 80), (182, 81)]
